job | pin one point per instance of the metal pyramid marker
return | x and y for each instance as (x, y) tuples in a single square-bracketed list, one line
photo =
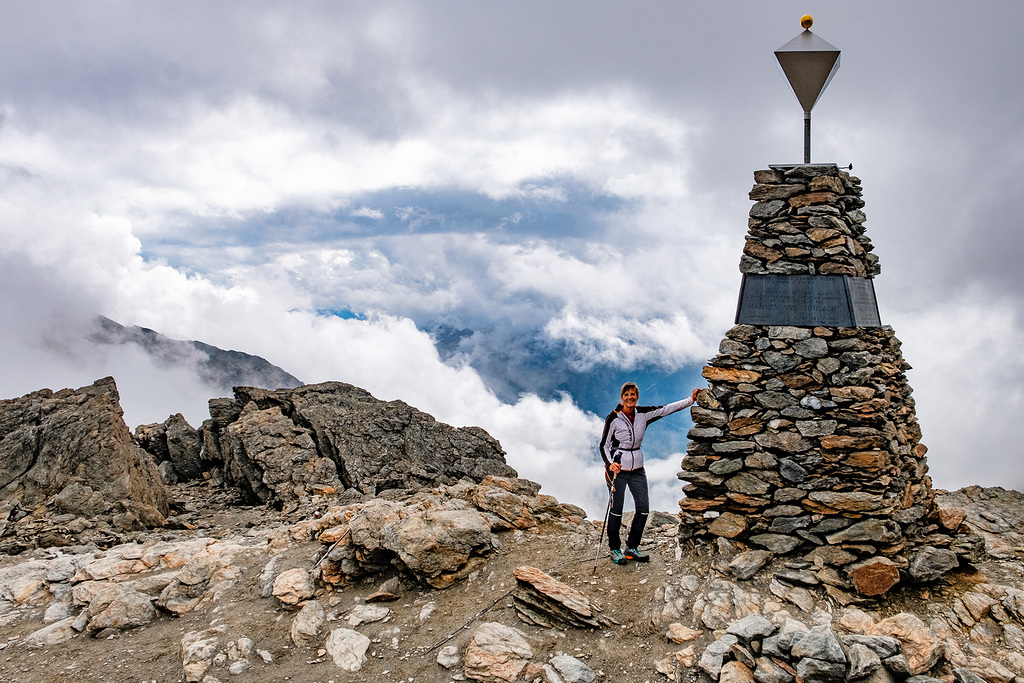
[(809, 64)]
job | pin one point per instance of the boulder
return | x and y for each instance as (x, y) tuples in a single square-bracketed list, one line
[(566, 669), (70, 452), (930, 563), (874, 576), (196, 651), (438, 546), (120, 607), (54, 634), (293, 586), (920, 645), (174, 442)]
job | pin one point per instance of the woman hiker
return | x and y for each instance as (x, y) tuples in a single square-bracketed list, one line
[(624, 466)]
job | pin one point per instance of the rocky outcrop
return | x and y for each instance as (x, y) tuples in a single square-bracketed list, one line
[(437, 537), (995, 514), (70, 469), (175, 445), (261, 599), (807, 441), (287, 446)]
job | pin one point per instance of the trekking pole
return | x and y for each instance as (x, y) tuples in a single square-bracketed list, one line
[(600, 538)]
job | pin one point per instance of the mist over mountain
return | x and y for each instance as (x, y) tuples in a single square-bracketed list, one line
[(216, 367)]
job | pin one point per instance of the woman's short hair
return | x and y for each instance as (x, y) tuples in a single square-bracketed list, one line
[(629, 385)]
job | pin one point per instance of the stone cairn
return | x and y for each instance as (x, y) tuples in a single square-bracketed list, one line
[(807, 440)]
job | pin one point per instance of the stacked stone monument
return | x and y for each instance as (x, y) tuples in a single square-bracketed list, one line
[(807, 440)]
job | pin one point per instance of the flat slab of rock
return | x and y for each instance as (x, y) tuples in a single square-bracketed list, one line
[(545, 601)]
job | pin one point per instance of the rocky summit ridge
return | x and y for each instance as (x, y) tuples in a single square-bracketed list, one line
[(318, 534)]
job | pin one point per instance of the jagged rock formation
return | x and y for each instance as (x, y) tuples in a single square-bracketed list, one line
[(71, 472), (218, 368), (287, 446), (807, 440), (175, 445), (68, 464)]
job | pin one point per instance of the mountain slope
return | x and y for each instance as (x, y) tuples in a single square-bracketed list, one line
[(221, 369)]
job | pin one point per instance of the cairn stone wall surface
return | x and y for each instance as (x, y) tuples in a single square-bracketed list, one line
[(807, 440), (807, 221)]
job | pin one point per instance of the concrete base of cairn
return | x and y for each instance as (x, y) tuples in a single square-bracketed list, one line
[(807, 442)]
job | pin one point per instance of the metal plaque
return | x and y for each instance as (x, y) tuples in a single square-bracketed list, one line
[(863, 305), (807, 301)]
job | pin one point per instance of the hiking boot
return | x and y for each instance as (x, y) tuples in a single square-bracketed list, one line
[(637, 555), (618, 557)]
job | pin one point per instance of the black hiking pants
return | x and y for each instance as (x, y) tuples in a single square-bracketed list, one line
[(636, 482)]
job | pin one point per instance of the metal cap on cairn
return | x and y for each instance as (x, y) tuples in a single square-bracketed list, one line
[(806, 442), (809, 64)]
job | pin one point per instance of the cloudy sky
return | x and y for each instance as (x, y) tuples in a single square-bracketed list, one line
[(497, 212)]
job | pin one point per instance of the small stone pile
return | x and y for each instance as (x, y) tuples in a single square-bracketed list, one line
[(807, 440), (754, 648)]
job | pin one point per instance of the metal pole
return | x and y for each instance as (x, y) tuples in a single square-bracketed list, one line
[(600, 538), (807, 137)]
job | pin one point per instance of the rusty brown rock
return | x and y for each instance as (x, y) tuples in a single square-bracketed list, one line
[(745, 426), (828, 184), (728, 525), (822, 234), (764, 192), (837, 441), (951, 517), (870, 461), (875, 576), (698, 505), (852, 393), (851, 501)]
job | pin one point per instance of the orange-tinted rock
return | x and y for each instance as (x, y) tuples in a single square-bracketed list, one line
[(812, 198), (951, 517), (729, 375), (745, 426), (867, 460), (728, 525), (758, 250), (875, 576)]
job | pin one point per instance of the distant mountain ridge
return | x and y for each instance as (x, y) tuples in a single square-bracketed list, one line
[(220, 369)]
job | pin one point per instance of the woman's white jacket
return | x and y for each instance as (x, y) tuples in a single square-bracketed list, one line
[(621, 439)]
